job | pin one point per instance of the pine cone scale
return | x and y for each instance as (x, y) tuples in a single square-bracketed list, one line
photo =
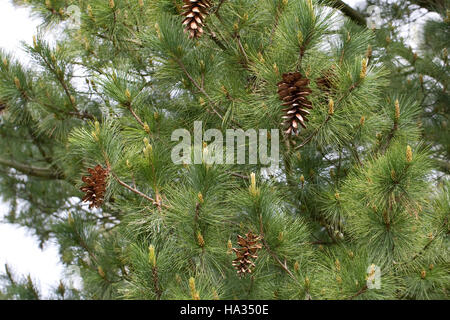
[(95, 186), (195, 12), (247, 253)]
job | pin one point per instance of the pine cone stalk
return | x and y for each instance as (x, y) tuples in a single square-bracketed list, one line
[(195, 12), (247, 253), (293, 90), (95, 186)]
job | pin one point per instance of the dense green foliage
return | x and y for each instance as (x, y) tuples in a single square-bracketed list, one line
[(417, 53), (360, 186)]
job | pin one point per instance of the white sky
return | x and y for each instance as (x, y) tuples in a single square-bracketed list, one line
[(17, 247)]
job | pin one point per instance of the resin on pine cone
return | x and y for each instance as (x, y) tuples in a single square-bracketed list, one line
[(293, 90), (195, 12), (247, 253), (95, 186)]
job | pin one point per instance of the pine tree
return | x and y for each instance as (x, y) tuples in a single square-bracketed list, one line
[(413, 36), (354, 198)]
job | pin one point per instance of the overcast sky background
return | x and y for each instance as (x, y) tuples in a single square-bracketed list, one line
[(18, 248)]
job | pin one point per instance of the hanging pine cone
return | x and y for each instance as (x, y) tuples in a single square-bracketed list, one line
[(95, 186), (293, 91), (195, 12), (246, 253)]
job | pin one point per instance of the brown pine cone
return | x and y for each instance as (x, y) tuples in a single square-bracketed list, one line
[(293, 90), (195, 12), (95, 186), (247, 253)]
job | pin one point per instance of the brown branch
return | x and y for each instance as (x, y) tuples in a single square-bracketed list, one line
[(361, 291), (274, 28), (312, 135), (60, 78), (200, 88), (156, 283), (153, 201), (349, 12), (138, 119), (432, 5), (216, 10), (214, 37), (242, 50), (30, 170), (83, 115), (238, 175)]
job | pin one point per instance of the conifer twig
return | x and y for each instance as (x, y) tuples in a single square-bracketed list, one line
[(200, 88), (30, 170), (312, 135), (274, 28), (216, 10), (238, 175), (153, 201), (273, 254), (156, 283), (214, 37), (349, 12), (361, 291), (138, 119)]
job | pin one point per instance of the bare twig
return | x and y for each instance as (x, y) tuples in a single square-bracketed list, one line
[(153, 201)]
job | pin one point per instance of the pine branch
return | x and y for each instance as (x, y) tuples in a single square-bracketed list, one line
[(82, 115), (156, 286), (242, 50), (443, 165), (214, 37), (32, 288), (9, 275), (200, 88), (328, 118), (432, 5), (274, 28), (153, 201), (138, 119), (60, 77), (349, 12), (33, 171), (238, 175), (361, 291), (273, 254), (216, 10)]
